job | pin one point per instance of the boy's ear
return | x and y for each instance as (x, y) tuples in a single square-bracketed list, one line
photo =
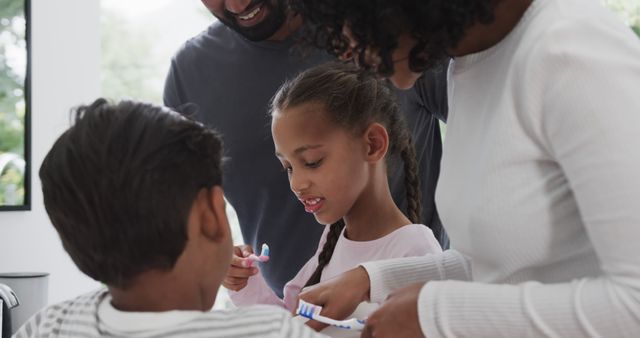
[(377, 141), (216, 224)]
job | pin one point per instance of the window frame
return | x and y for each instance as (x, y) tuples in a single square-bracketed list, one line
[(26, 205)]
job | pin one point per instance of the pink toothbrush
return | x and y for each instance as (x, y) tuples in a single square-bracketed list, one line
[(264, 255)]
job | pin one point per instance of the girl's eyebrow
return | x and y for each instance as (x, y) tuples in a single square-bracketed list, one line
[(302, 149)]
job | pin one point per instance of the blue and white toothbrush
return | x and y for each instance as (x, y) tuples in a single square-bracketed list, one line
[(312, 311)]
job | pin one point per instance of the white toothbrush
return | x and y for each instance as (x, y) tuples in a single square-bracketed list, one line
[(312, 311)]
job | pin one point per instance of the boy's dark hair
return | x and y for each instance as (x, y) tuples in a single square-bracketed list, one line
[(436, 25), (119, 184), (353, 99)]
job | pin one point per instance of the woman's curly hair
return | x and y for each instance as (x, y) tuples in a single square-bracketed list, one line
[(436, 25)]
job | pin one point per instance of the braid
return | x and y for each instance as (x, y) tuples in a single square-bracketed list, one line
[(400, 142), (411, 178), (327, 251)]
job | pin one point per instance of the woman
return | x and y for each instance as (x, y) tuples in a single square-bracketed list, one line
[(540, 173)]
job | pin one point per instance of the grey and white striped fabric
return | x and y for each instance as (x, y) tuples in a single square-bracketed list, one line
[(79, 318)]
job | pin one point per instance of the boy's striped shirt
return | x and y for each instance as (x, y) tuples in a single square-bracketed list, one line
[(83, 317)]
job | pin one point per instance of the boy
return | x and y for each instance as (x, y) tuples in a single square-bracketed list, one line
[(135, 194)]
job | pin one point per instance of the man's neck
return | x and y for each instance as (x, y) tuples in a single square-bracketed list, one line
[(479, 37)]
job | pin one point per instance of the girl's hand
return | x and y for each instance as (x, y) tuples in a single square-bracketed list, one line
[(241, 268)]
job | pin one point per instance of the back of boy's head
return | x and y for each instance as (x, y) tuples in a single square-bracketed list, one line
[(119, 185)]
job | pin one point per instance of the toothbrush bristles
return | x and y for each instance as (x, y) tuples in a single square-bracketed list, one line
[(307, 310), (312, 311), (265, 250)]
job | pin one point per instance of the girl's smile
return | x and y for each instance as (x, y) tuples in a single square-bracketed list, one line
[(312, 205)]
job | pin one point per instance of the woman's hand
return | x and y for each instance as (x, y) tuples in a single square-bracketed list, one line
[(339, 296), (241, 268), (398, 315)]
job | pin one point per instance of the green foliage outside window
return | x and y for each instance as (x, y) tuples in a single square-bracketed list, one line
[(628, 10), (12, 106), (129, 68)]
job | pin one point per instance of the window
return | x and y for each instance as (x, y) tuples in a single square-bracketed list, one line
[(628, 10), (14, 105), (138, 40)]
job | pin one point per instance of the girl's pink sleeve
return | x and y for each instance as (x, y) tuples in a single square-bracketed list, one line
[(258, 291), (293, 288)]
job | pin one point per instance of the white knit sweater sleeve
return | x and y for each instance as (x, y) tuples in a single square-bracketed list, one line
[(587, 83), (391, 274)]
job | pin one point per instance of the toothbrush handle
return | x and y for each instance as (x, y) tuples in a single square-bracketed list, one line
[(260, 259), (351, 324), (355, 324)]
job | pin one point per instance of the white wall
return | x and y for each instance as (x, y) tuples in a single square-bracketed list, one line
[(65, 72)]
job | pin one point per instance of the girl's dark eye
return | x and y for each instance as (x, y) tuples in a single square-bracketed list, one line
[(286, 167), (313, 164)]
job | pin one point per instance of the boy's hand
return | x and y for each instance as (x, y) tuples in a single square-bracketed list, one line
[(241, 268), (339, 296)]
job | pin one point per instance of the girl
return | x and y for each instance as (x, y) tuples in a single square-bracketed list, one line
[(333, 127)]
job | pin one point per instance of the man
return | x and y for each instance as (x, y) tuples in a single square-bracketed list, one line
[(233, 69)]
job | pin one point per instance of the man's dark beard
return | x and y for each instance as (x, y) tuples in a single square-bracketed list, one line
[(275, 18)]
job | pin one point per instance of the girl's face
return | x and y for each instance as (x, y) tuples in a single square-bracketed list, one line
[(326, 164)]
